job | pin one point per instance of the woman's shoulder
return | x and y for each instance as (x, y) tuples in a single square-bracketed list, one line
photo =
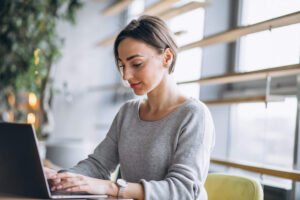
[(194, 110), (130, 103), (194, 105), (129, 106)]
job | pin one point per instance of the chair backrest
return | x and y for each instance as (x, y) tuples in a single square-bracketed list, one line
[(232, 187)]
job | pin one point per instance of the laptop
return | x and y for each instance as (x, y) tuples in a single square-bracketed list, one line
[(21, 170)]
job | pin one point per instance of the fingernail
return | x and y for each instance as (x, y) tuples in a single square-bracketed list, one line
[(59, 187)]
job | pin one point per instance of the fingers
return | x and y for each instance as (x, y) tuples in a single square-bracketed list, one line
[(70, 182), (66, 183), (49, 173), (57, 178), (69, 185), (78, 188), (79, 183), (65, 175), (54, 183)]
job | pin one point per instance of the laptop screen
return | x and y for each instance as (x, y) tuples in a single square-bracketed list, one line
[(21, 171)]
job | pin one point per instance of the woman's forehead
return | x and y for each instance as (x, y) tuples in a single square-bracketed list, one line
[(130, 47)]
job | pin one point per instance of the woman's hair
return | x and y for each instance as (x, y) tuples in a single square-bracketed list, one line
[(152, 31)]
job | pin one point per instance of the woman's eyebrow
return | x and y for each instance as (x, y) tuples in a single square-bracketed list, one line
[(131, 57)]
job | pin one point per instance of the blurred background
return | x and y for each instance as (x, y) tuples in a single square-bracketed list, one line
[(241, 57)]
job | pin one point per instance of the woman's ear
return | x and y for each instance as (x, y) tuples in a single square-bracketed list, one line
[(168, 57)]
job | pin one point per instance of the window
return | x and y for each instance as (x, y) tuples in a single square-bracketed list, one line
[(264, 135), (259, 134), (269, 48), (188, 65), (135, 8)]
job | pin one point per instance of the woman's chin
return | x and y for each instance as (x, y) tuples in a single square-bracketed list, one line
[(139, 92)]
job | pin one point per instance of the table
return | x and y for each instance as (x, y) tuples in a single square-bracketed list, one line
[(24, 198)]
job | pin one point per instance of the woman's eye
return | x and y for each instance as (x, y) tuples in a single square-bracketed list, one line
[(137, 64), (121, 67)]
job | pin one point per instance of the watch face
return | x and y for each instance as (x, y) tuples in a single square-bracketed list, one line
[(122, 182)]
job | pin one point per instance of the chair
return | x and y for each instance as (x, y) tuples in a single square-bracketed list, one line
[(232, 187)]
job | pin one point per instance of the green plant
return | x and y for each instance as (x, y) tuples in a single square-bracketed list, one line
[(28, 41), (28, 47)]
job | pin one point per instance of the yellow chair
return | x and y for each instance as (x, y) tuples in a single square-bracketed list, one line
[(232, 187)]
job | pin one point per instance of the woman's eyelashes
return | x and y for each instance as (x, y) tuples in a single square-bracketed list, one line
[(120, 65), (136, 65)]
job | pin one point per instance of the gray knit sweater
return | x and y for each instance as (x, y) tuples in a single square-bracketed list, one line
[(169, 157)]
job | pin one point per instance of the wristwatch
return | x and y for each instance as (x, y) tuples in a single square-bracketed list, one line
[(122, 184)]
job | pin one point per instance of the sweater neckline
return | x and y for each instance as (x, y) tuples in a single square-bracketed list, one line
[(188, 100)]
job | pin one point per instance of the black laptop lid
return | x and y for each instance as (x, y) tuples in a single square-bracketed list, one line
[(20, 166)]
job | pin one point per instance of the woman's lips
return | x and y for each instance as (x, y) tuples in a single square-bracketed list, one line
[(135, 85)]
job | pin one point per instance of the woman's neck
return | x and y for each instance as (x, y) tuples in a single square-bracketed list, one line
[(165, 96)]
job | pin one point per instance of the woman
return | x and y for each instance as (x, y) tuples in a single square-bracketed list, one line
[(163, 142)]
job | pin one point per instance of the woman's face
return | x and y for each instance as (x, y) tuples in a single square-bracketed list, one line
[(141, 65)]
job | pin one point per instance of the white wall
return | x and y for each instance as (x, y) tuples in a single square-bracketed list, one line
[(82, 118)]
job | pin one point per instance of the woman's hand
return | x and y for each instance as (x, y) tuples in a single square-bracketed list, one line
[(74, 183), (49, 172)]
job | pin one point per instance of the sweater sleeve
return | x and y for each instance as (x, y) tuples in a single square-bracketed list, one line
[(104, 159), (188, 171)]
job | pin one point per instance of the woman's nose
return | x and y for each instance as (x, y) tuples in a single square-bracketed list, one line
[(127, 73)]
